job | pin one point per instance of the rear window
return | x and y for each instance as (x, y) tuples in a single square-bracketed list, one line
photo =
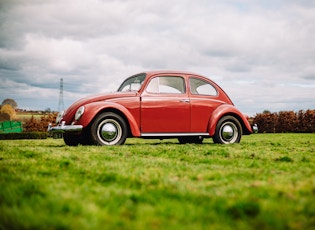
[(198, 86)]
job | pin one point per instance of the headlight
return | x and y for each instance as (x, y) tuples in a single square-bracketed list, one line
[(79, 113), (59, 117)]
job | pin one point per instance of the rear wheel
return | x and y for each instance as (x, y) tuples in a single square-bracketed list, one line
[(228, 131), (109, 129)]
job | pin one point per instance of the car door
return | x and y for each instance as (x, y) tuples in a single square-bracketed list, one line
[(165, 106)]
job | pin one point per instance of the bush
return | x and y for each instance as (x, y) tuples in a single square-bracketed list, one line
[(286, 122), (9, 110), (24, 135), (39, 125)]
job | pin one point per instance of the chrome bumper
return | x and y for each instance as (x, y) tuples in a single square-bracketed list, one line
[(64, 128)]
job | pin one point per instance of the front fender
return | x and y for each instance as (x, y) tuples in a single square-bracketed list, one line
[(224, 110), (92, 109)]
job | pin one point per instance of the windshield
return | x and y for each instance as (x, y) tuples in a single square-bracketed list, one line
[(132, 83)]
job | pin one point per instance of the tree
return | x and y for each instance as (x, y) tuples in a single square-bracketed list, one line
[(4, 117), (8, 109), (9, 101)]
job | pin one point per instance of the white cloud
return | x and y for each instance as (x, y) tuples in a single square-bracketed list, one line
[(261, 52)]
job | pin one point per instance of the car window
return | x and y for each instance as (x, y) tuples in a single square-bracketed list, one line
[(166, 84), (132, 84), (198, 86)]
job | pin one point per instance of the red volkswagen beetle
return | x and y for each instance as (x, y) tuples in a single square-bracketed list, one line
[(156, 104)]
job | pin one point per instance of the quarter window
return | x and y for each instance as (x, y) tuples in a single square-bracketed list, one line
[(166, 84), (198, 86)]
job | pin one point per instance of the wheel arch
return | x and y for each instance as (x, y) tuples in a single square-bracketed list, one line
[(93, 110), (228, 110)]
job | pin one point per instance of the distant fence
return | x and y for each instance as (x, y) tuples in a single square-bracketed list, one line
[(286, 122)]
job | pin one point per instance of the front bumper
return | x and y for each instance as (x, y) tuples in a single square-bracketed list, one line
[(62, 128)]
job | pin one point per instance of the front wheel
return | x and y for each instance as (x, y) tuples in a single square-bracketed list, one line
[(70, 139), (108, 129), (228, 131)]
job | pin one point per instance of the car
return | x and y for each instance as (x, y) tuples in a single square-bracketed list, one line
[(155, 104)]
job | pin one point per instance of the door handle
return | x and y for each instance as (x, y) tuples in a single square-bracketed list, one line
[(185, 100)]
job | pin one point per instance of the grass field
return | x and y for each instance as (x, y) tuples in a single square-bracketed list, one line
[(265, 182)]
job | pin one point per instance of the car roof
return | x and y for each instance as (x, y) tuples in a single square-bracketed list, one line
[(154, 72)]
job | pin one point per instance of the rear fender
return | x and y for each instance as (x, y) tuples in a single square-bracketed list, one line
[(224, 110), (92, 109)]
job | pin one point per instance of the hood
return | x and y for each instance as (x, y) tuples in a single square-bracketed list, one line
[(69, 113)]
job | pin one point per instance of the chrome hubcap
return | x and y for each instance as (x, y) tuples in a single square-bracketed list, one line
[(109, 131), (229, 132)]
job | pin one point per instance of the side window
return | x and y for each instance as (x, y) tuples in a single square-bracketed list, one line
[(166, 84), (198, 86)]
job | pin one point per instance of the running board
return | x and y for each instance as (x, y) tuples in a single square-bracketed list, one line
[(173, 134)]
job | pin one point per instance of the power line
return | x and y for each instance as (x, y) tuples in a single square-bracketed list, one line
[(61, 104)]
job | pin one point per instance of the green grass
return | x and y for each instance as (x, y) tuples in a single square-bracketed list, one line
[(265, 182)]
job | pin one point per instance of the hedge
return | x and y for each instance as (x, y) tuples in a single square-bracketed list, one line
[(24, 135), (286, 122)]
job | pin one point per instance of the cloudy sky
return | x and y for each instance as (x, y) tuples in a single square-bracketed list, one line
[(261, 52)]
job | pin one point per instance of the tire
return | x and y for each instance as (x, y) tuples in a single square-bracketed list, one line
[(108, 129), (191, 140), (71, 140), (228, 131)]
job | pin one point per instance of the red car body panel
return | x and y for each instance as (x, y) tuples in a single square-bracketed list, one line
[(173, 114), (201, 110)]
